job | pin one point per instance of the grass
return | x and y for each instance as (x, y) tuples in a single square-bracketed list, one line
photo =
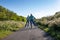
[(4, 33), (46, 29), (7, 27), (51, 31)]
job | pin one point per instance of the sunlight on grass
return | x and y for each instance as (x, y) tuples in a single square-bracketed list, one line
[(4, 33), (7, 27), (46, 29)]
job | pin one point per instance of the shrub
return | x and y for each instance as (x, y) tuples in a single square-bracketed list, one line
[(11, 25)]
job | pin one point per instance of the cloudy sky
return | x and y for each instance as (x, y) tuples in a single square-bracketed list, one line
[(38, 8)]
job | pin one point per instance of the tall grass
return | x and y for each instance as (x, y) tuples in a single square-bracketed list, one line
[(52, 27), (7, 27), (11, 25)]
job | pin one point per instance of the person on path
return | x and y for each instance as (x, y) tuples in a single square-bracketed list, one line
[(27, 22), (32, 18)]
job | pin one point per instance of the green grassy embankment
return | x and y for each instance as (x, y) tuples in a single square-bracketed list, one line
[(51, 25), (8, 27)]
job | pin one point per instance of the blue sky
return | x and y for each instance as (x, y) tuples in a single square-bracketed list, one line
[(38, 8)]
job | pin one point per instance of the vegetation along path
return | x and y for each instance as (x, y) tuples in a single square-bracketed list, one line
[(29, 34)]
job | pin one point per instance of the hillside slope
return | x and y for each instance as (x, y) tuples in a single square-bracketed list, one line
[(10, 22), (6, 14), (51, 24)]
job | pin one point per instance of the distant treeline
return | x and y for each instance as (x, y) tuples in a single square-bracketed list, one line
[(6, 14)]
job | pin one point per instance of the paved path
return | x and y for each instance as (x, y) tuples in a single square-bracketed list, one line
[(29, 34)]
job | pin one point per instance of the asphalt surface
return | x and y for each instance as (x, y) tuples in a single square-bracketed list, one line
[(29, 34)]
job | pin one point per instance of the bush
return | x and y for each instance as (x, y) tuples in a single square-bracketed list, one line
[(7, 27), (11, 25), (53, 27)]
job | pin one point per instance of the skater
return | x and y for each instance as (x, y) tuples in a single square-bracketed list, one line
[(27, 22), (32, 18)]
